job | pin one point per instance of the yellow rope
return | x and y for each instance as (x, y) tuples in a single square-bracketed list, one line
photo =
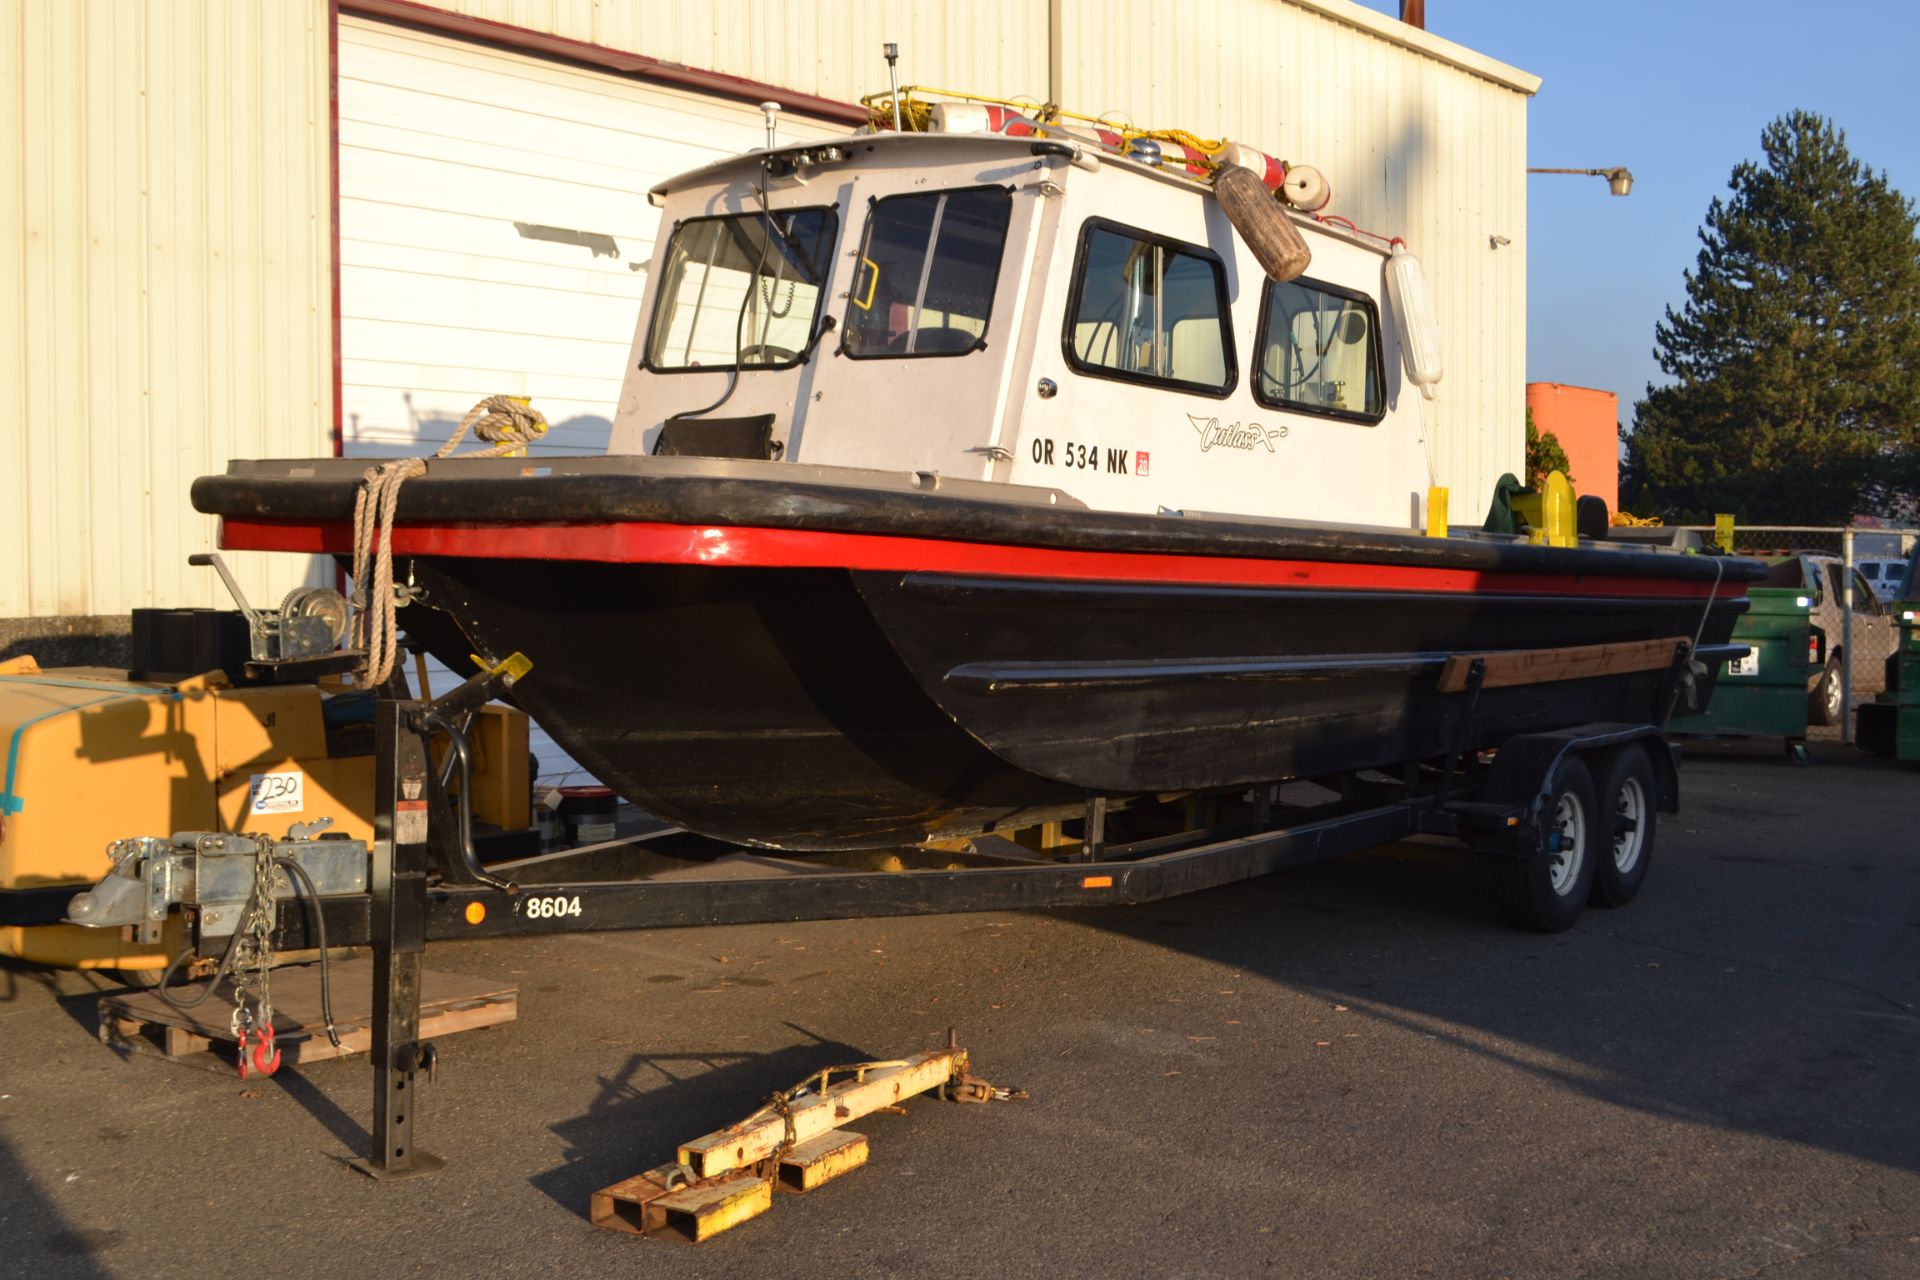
[(916, 116)]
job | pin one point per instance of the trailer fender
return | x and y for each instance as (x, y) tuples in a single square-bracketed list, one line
[(1524, 765)]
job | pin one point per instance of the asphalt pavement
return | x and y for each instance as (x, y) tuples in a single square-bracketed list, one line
[(1354, 1069)]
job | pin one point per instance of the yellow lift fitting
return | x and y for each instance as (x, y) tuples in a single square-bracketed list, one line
[(793, 1143)]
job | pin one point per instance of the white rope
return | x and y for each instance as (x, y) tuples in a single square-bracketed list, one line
[(509, 423)]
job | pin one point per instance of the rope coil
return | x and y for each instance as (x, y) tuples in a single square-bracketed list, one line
[(509, 424)]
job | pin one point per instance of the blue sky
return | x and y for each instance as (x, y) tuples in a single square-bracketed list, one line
[(1678, 92)]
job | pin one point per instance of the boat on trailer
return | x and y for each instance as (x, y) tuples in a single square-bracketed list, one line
[(967, 471)]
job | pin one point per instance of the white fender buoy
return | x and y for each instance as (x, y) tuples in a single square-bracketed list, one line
[(1413, 320), (1306, 188)]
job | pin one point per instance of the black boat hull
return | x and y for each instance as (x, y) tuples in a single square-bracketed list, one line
[(825, 709), (753, 705), (821, 666)]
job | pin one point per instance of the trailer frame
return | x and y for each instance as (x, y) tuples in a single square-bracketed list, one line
[(1498, 803)]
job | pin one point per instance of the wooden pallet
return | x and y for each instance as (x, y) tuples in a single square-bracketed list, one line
[(141, 1022)]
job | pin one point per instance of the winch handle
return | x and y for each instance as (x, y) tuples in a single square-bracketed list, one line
[(212, 559)]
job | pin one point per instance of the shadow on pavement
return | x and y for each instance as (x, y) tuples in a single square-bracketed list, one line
[(1767, 981), (654, 1102), (35, 1229)]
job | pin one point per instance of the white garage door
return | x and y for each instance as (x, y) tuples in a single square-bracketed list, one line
[(495, 234)]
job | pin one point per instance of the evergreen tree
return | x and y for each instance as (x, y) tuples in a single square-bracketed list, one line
[(1796, 357), (1544, 454)]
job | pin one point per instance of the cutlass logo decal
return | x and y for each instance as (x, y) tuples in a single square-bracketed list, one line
[(1235, 435)]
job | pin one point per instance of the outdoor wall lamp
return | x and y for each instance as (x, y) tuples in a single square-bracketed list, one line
[(1619, 178)]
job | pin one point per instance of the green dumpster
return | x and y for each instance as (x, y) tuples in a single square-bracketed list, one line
[(1765, 693), (1890, 724)]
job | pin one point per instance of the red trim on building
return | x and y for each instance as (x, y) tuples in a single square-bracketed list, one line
[(747, 547), (632, 64), (333, 240), (333, 215)]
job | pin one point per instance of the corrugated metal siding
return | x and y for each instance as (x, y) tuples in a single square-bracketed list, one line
[(495, 230), (164, 204), (1414, 146), (164, 296), (820, 47)]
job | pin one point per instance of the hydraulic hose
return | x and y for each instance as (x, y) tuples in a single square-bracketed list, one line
[(305, 881)]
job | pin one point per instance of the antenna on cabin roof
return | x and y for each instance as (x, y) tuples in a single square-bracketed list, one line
[(771, 110), (892, 52)]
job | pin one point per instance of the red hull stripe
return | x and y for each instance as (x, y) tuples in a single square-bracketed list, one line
[(747, 547)]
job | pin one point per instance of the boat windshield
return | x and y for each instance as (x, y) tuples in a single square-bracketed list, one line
[(1319, 352), (927, 273), (742, 289)]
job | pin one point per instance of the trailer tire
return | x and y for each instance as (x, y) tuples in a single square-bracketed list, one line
[(1546, 890), (1628, 793)]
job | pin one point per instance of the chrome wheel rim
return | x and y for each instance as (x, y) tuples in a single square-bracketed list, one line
[(1570, 826), (1630, 825), (1833, 693)]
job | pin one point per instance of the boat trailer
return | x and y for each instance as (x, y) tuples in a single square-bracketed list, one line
[(421, 881)]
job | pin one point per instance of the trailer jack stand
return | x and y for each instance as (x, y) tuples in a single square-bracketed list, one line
[(794, 1144), (403, 791)]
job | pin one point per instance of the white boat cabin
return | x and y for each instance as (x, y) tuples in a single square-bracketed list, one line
[(962, 305)]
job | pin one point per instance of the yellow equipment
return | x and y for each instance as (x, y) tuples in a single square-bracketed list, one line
[(90, 757), (1549, 512)]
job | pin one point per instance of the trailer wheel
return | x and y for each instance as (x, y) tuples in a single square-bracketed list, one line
[(1629, 804), (1546, 890)]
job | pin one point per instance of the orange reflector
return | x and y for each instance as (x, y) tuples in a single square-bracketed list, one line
[(1096, 882), (476, 912)]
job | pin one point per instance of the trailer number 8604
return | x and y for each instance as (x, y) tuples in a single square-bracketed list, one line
[(552, 908)]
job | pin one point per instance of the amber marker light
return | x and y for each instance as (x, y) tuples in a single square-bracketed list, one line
[(1096, 882), (476, 912)]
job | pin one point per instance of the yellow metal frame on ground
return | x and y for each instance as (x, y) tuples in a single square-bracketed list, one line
[(793, 1144)]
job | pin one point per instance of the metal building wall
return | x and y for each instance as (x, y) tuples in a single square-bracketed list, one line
[(164, 173), (1420, 138), (164, 289), (819, 46)]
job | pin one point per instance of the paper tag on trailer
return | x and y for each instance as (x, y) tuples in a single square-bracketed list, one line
[(410, 822), (1747, 666), (277, 793)]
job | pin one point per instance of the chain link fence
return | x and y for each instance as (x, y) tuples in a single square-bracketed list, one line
[(1854, 576)]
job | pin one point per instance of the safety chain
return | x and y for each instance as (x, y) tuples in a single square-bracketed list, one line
[(252, 1021), (780, 1101), (509, 424)]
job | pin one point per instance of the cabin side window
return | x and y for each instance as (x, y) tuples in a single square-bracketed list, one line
[(927, 271), (1150, 310), (1320, 352), (743, 288)]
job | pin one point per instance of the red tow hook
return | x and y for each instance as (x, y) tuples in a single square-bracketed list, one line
[(264, 1057), (266, 1054)]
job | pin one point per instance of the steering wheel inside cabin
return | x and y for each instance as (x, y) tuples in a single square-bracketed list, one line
[(766, 353)]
